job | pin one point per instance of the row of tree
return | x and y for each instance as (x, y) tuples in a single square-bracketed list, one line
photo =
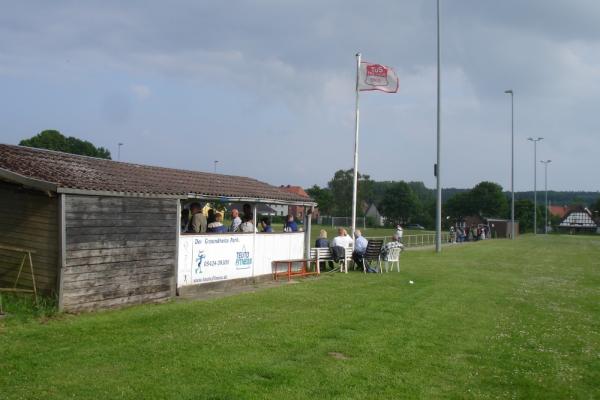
[(413, 202)]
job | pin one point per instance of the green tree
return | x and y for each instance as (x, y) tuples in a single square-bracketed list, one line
[(323, 197), (488, 200), (54, 140), (460, 205), (341, 190), (399, 203), (524, 214)]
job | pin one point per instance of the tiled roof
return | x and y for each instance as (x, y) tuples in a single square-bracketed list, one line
[(559, 211), (295, 189), (69, 171)]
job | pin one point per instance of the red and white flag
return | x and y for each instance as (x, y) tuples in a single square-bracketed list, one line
[(377, 77)]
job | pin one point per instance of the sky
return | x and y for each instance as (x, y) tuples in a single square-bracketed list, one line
[(266, 87)]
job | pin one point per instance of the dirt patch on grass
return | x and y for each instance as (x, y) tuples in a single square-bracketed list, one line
[(338, 355)]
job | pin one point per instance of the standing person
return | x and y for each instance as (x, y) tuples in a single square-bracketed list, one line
[(360, 248), (211, 216), (247, 209), (247, 226), (290, 224), (217, 226), (198, 222), (399, 232), (185, 219), (265, 223), (236, 221)]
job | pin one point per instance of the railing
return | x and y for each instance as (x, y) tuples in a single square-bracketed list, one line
[(425, 239)]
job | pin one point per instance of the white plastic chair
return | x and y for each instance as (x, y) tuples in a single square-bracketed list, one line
[(392, 256)]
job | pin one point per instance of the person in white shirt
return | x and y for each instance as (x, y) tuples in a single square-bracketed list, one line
[(247, 225), (342, 239), (236, 221), (399, 232)]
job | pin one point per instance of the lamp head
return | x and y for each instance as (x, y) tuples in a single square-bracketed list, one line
[(508, 91)]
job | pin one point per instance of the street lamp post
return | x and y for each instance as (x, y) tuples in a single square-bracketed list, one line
[(546, 162), (535, 140), (512, 163), (119, 151), (215, 165), (438, 166)]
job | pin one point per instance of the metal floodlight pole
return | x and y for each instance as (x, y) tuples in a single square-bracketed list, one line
[(546, 162), (356, 126), (438, 167), (535, 140), (119, 151), (512, 163)]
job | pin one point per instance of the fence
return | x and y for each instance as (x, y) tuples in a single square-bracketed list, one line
[(426, 239), (341, 221)]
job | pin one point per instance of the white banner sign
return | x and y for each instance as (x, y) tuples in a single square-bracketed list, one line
[(210, 258), (215, 258)]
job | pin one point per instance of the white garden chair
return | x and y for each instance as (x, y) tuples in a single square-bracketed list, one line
[(391, 257)]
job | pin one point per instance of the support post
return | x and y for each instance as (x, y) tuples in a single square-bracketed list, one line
[(438, 208), (62, 248), (356, 125)]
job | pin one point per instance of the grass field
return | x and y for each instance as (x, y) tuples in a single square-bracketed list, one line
[(493, 319)]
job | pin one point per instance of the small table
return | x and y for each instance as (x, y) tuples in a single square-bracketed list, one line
[(302, 263)]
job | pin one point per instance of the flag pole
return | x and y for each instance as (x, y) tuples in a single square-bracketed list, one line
[(356, 122), (438, 166)]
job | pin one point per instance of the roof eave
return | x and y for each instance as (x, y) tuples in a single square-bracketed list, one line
[(234, 199), (32, 183)]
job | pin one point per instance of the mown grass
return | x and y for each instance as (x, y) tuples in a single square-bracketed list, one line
[(493, 319)]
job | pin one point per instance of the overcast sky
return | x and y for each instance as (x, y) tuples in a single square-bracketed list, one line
[(267, 87)]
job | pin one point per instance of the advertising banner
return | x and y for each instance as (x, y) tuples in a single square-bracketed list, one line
[(210, 258)]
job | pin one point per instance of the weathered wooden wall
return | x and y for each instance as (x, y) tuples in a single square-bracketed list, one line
[(29, 219), (118, 251)]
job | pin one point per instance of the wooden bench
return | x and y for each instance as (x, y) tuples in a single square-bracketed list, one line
[(298, 267), (319, 254)]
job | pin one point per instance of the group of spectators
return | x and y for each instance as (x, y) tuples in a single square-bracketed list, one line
[(193, 220), (469, 233), (342, 241)]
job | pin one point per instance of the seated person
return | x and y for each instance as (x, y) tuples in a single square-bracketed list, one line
[(265, 223), (395, 243), (342, 239), (217, 226), (185, 219), (322, 242), (290, 225), (360, 248), (247, 225)]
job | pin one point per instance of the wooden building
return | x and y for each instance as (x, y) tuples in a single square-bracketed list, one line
[(105, 233)]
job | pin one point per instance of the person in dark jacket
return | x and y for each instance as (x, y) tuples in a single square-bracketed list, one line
[(290, 224), (322, 242)]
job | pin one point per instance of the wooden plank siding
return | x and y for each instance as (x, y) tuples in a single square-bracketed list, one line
[(118, 251), (29, 219)]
